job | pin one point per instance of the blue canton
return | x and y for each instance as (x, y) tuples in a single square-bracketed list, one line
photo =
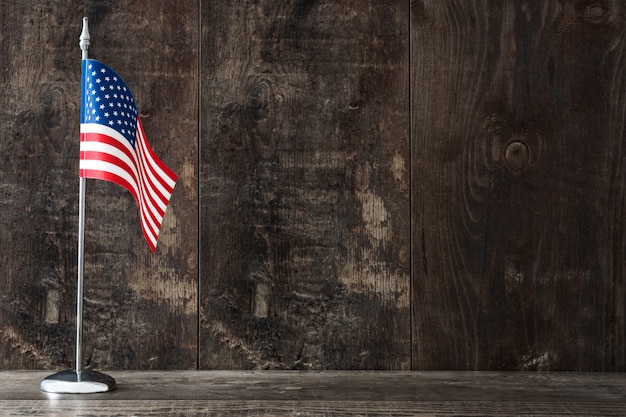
[(107, 100)]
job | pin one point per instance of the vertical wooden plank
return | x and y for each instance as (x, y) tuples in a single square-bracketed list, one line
[(304, 185), (36, 119), (140, 309), (518, 125)]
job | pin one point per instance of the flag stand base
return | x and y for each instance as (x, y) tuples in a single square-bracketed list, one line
[(72, 382)]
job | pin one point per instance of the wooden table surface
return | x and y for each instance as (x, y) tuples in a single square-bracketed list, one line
[(328, 393)]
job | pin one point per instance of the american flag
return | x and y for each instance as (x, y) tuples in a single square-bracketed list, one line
[(113, 146)]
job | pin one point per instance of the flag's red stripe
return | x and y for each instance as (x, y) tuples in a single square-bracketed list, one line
[(108, 176), (150, 187), (149, 232), (148, 167), (149, 192), (106, 157), (164, 168), (151, 167), (147, 210), (150, 210), (98, 137), (155, 192)]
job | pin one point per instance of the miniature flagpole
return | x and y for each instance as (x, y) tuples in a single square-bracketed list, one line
[(79, 381), (84, 46)]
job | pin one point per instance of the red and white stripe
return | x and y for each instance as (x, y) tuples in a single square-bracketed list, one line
[(105, 154)]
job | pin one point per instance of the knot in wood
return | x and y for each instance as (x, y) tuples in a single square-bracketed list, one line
[(596, 13), (517, 155)]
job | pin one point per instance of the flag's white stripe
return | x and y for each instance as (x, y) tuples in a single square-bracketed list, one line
[(137, 168), (162, 195), (142, 165), (154, 167), (149, 226), (147, 191), (147, 188), (103, 166), (161, 174), (105, 148), (150, 229), (145, 205), (107, 131), (148, 209), (162, 198), (159, 193)]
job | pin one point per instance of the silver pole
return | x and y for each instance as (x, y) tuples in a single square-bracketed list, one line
[(84, 46)]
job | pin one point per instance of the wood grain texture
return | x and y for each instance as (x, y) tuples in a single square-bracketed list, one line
[(219, 408), (518, 125), (140, 309), (304, 182), (514, 235), (329, 393)]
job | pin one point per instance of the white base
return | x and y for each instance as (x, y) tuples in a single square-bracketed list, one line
[(64, 387), (69, 382)]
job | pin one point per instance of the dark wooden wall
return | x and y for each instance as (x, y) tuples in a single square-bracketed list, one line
[(363, 185), (518, 114), (304, 185)]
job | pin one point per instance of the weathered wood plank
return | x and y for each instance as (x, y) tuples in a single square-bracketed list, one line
[(292, 408), (518, 124), (329, 393), (374, 386), (140, 309), (304, 159)]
